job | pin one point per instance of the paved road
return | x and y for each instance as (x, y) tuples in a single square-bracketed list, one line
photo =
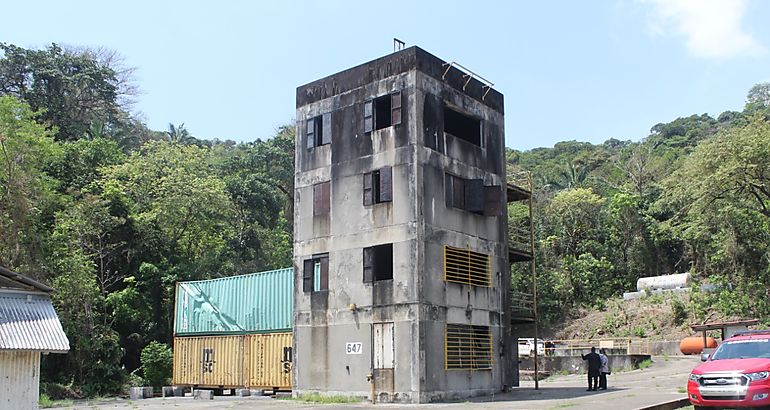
[(664, 380)]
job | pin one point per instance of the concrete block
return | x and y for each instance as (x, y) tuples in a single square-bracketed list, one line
[(257, 392), (203, 394), (242, 392), (282, 395), (167, 391), (138, 393)]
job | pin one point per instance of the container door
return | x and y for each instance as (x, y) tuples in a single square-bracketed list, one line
[(384, 360)]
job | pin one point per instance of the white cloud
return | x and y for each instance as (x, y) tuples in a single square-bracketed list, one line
[(711, 28)]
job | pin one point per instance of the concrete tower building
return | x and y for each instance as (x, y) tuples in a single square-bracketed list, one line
[(400, 238)]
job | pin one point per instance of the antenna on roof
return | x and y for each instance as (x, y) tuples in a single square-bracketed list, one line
[(398, 45)]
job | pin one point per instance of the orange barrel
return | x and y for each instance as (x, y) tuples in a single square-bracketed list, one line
[(694, 344)]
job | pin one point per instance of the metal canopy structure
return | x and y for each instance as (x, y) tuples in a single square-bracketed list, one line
[(722, 326)]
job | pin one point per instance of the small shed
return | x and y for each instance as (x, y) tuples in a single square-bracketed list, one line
[(29, 327), (728, 328)]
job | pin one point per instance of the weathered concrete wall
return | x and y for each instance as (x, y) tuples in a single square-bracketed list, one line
[(440, 153)]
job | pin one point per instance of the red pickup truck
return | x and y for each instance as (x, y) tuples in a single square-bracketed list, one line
[(735, 375)]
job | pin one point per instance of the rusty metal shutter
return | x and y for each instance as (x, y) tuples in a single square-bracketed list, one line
[(458, 192), (368, 116), (395, 108), (321, 198), (493, 201), (324, 272), (368, 265), (474, 195), (310, 133), (307, 275), (448, 190), (326, 133), (386, 185), (368, 191)]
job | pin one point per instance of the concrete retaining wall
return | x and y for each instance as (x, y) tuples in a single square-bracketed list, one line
[(575, 364)]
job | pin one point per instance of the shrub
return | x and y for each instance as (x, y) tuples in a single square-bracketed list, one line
[(157, 360)]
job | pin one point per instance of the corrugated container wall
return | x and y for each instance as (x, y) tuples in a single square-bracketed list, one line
[(268, 361), (251, 361), (208, 361), (255, 303)]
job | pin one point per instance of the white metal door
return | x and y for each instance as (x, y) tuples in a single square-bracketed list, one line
[(384, 355)]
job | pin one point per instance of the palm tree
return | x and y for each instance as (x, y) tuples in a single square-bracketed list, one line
[(179, 134)]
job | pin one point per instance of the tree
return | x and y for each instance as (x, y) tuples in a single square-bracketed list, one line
[(758, 98), (71, 89), (733, 167), (26, 147), (178, 134), (575, 216)]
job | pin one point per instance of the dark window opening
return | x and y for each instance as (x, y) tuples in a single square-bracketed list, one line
[(471, 195), (378, 186), (315, 273), (319, 130), (321, 198), (378, 263), (462, 126), (382, 112)]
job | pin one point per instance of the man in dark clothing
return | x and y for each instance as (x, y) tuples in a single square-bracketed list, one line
[(594, 364)]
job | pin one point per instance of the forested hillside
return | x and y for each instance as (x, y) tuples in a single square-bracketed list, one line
[(694, 196), (112, 214)]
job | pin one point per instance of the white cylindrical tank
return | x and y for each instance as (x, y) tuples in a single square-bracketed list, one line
[(677, 280)]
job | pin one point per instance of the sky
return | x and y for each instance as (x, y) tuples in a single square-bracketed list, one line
[(569, 70)]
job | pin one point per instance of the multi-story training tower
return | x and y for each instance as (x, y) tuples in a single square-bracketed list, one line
[(400, 236)]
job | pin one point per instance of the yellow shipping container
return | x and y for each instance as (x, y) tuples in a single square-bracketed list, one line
[(208, 361), (268, 361)]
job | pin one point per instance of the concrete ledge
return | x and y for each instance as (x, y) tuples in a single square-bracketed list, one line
[(669, 405), (138, 393), (203, 394)]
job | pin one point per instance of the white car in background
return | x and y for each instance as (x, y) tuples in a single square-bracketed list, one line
[(527, 347)]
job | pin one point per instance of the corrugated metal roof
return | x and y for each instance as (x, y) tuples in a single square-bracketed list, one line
[(29, 322), (257, 302)]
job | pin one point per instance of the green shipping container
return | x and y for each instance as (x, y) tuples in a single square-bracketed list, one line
[(254, 303)]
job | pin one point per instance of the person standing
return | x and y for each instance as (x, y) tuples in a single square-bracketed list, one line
[(604, 369), (594, 364)]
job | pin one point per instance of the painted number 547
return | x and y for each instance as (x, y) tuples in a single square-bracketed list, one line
[(353, 348)]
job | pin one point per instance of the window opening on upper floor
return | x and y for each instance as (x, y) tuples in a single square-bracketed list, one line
[(318, 130), (378, 263), (315, 273), (462, 126), (382, 112), (473, 196), (378, 186)]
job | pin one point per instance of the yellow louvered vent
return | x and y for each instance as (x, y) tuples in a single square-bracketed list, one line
[(467, 347), (467, 267)]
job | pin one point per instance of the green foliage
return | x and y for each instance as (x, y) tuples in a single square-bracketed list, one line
[(157, 359), (679, 311), (318, 398), (645, 364)]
